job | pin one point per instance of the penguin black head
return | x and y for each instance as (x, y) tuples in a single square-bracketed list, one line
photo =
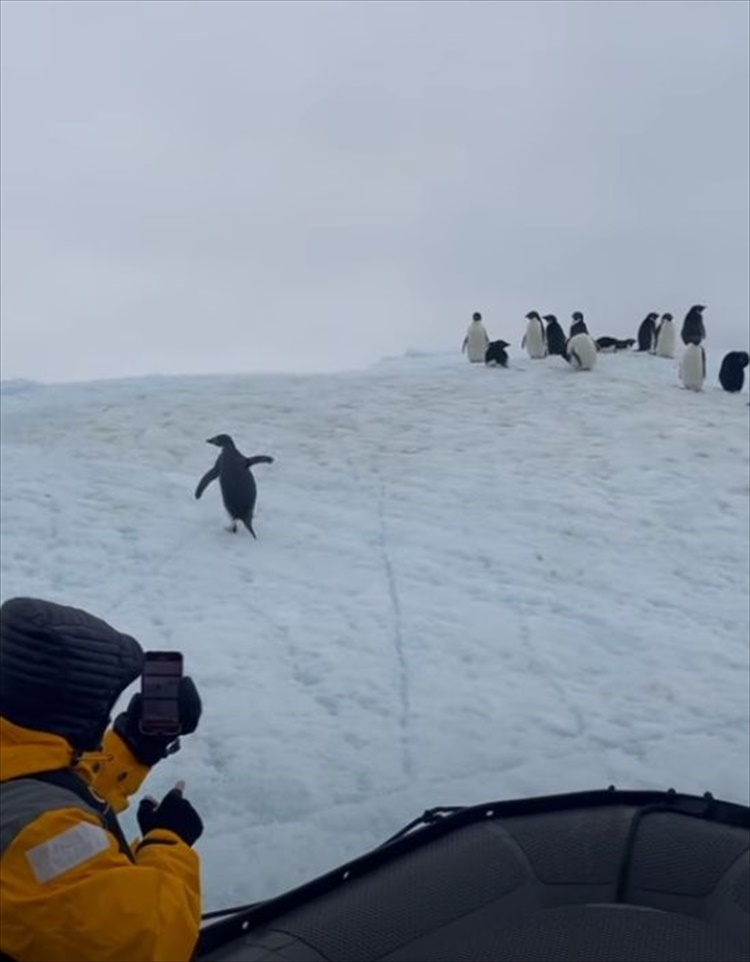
[(577, 316), (221, 441), (743, 359), (652, 316), (476, 316), (666, 317), (697, 309), (549, 318), (533, 316)]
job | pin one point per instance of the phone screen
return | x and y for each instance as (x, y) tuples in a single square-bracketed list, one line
[(160, 690)]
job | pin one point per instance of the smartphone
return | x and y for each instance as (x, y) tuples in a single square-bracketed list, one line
[(160, 691)]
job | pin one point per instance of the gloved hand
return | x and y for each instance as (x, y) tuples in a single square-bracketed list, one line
[(174, 813), (149, 749)]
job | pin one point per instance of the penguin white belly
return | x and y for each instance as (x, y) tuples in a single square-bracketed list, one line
[(476, 342), (666, 341), (692, 368), (582, 352), (535, 341)]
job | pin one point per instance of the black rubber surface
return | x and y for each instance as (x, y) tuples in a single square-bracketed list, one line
[(611, 882)]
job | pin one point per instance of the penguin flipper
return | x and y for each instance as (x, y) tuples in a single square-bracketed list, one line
[(207, 478), (248, 522), (258, 459)]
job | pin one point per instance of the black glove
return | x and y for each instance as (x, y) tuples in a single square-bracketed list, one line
[(174, 813), (149, 749)]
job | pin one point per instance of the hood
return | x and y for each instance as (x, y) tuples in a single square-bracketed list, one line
[(62, 669)]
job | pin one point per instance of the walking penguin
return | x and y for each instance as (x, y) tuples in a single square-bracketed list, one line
[(238, 490)]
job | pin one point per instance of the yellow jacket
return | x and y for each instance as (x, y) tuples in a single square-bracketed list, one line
[(68, 893)]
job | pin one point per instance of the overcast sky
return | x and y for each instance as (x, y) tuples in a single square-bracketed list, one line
[(234, 186)]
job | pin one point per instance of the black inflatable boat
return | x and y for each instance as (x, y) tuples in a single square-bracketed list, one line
[(602, 876)]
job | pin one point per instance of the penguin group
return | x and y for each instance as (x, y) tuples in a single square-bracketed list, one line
[(544, 336), (657, 335)]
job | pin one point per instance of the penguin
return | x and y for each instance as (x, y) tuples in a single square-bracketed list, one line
[(496, 354), (647, 333), (555, 335), (608, 345), (665, 337), (693, 367), (238, 490), (693, 329), (579, 325), (580, 352), (535, 338), (476, 341), (732, 371)]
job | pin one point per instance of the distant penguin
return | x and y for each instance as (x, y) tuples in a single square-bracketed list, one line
[(476, 340), (535, 338), (238, 490), (647, 333), (579, 325), (555, 335), (693, 329), (496, 355), (693, 367), (665, 337), (580, 352), (732, 372)]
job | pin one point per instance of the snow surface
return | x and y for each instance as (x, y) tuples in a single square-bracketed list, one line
[(468, 584)]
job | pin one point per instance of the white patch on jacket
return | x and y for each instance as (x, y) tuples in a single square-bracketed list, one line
[(693, 367), (476, 342), (535, 339), (67, 850), (666, 339), (582, 352)]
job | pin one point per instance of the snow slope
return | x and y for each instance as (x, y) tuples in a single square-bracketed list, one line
[(469, 584)]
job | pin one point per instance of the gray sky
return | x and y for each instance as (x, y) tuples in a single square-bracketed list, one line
[(226, 186)]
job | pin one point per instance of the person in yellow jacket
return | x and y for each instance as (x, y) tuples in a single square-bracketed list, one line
[(71, 888)]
